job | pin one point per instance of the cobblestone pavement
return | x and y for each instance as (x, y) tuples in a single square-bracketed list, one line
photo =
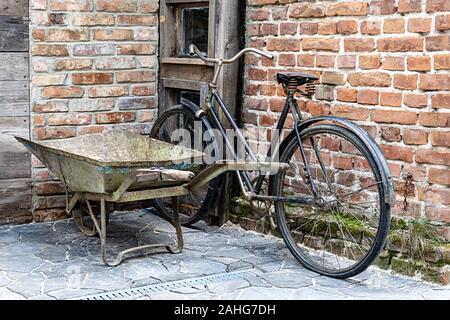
[(55, 261)]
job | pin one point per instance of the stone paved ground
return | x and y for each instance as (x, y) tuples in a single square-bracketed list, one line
[(55, 261)]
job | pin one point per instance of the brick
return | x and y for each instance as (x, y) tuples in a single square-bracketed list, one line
[(38, 4), (390, 99), (441, 100), (288, 28), (42, 133), (346, 94), (330, 77), (320, 44), (143, 90), (73, 65), (397, 153), (440, 138), (41, 80), (405, 81), (393, 63), (440, 196), (434, 119), (442, 61), (115, 63), (349, 112), (93, 49), (113, 34), (286, 59), (382, 7), (346, 26), (136, 103), (266, 120), (327, 28), (38, 34), (325, 61), (146, 116), (437, 43), (309, 28), (420, 25), (442, 22), (351, 8), (359, 44), (439, 176), (91, 105), (90, 130), (346, 62), (369, 79), (437, 5), (70, 5), (371, 27), (90, 20), (116, 5), (302, 10), (114, 117), (369, 61), (413, 100), (409, 6), (137, 20), (92, 78), (394, 116), (366, 96), (136, 49), (415, 136), (62, 92), (50, 106), (69, 120), (67, 35), (38, 120), (257, 74), (391, 134), (49, 50), (258, 14), (283, 44), (394, 25), (405, 44), (305, 60), (432, 156), (419, 63), (268, 29), (325, 92), (317, 109), (107, 91), (434, 82)]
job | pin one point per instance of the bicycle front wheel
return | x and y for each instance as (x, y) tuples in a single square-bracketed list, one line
[(342, 232)]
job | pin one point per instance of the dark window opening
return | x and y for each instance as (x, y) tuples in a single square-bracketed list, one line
[(195, 24), (193, 96)]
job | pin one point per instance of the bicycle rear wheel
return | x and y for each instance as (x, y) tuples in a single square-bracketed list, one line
[(181, 119), (340, 235)]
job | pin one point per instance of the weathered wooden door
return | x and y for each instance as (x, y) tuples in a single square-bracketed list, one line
[(15, 163)]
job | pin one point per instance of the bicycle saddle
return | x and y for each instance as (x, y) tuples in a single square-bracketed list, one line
[(295, 79)]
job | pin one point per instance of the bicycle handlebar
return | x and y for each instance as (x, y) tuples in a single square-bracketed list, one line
[(194, 51)]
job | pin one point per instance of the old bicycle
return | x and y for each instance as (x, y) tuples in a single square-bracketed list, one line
[(332, 204)]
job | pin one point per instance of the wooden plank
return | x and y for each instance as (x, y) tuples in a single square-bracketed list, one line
[(14, 99), (15, 201), (14, 66), (15, 159), (13, 34), (18, 8)]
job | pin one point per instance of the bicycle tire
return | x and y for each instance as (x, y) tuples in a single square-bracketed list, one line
[(384, 217)]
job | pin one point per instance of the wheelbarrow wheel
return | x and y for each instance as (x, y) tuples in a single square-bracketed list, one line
[(195, 205), (83, 219)]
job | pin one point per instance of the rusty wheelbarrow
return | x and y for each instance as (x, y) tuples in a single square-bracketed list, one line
[(122, 166)]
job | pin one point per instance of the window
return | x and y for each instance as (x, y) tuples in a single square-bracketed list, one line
[(195, 24), (193, 96)]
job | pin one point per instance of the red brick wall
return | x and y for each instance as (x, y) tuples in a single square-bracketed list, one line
[(384, 64), (94, 68)]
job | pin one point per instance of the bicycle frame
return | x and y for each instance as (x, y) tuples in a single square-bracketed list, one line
[(252, 190)]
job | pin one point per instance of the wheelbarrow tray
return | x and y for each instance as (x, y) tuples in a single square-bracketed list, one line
[(99, 163)]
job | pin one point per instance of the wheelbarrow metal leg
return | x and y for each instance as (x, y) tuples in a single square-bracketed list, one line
[(121, 256), (177, 224)]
